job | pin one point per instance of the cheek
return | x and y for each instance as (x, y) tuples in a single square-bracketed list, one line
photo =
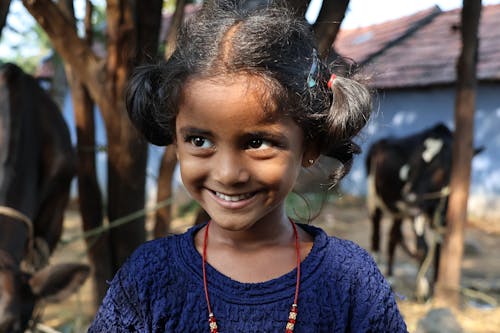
[(192, 171), (282, 175)]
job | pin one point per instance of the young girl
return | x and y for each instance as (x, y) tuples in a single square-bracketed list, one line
[(248, 103)]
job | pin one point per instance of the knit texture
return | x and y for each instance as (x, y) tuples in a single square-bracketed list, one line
[(160, 289)]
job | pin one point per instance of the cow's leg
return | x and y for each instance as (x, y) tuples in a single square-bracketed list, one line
[(395, 237), (376, 217), (424, 256), (419, 224), (437, 256)]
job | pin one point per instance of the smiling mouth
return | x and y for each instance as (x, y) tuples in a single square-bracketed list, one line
[(233, 198)]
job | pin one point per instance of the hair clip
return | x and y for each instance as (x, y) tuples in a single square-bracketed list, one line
[(330, 82), (312, 78)]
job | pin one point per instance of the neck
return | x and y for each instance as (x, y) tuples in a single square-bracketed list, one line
[(261, 234)]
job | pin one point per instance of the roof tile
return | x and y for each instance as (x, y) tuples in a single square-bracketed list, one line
[(412, 51)]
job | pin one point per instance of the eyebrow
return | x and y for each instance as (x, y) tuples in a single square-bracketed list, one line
[(194, 131), (267, 134)]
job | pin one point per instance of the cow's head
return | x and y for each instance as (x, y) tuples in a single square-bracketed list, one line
[(427, 174), (21, 291)]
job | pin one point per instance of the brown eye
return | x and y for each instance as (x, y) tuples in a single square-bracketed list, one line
[(255, 143), (199, 142), (258, 143)]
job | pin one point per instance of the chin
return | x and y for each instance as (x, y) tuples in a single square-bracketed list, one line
[(234, 224)]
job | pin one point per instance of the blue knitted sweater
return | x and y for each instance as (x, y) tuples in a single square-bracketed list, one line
[(160, 289)]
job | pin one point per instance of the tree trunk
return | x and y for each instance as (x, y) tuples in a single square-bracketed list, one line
[(177, 18), (89, 194), (448, 285), (4, 11), (165, 178), (132, 39), (127, 153), (328, 24), (163, 214)]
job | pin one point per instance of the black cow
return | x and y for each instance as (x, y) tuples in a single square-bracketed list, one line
[(37, 163), (408, 178)]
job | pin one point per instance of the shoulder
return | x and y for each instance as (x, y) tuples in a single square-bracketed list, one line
[(346, 266), (344, 254), (372, 304), (158, 256), (152, 254), (354, 265)]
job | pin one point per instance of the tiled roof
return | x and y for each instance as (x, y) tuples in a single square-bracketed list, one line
[(421, 49)]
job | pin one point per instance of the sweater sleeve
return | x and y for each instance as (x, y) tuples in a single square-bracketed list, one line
[(374, 308), (120, 311)]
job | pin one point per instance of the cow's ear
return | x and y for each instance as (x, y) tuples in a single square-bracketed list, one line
[(55, 283)]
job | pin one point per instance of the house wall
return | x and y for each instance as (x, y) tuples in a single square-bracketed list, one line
[(400, 113)]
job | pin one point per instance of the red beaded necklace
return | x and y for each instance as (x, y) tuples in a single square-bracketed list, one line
[(293, 311)]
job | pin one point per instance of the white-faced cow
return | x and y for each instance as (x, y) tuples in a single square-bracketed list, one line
[(408, 178), (37, 164)]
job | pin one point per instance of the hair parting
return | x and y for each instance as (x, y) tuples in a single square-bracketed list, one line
[(269, 43)]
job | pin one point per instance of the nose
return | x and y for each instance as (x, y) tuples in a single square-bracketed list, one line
[(230, 168)]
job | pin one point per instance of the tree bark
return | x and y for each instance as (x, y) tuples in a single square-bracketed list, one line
[(88, 66), (127, 152), (328, 24), (163, 215), (4, 11), (148, 30), (165, 178), (448, 285), (89, 194), (173, 30)]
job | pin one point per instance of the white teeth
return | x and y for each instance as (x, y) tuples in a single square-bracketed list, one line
[(233, 198)]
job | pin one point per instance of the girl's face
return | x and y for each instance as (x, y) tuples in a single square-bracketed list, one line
[(237, 159)]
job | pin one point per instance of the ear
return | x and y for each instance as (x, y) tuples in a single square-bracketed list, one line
[(56, 283), (311, 153)]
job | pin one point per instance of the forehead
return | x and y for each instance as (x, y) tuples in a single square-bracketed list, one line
[(238, 98)]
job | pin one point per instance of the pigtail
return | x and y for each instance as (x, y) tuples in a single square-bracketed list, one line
[(151, 101), (348, 113)]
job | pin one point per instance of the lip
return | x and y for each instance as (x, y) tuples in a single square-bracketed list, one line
[(233, 201)]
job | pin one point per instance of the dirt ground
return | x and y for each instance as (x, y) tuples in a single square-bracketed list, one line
[(345, 218)]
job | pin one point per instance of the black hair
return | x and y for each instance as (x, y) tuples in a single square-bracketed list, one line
[(272, 44)]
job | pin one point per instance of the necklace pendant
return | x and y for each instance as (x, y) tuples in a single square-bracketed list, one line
[(292, 317), (213, 323)]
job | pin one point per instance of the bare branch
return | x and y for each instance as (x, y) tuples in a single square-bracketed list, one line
[(62, 33), (328, 23), (170, 41)]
